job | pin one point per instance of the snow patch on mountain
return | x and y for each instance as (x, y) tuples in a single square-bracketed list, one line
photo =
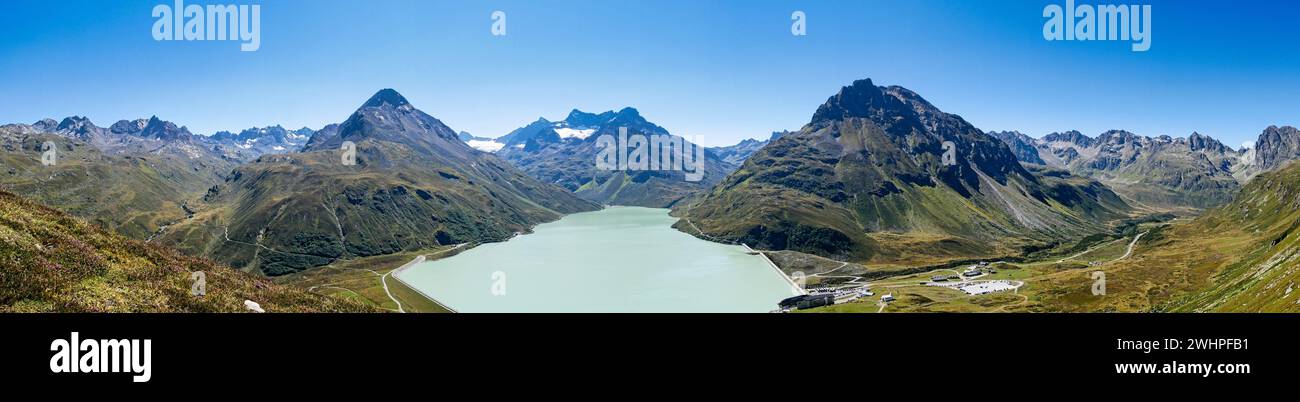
[(579, 133), (486, 145)]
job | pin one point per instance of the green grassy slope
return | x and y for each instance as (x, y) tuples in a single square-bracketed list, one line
[(1242, 257), (51, 262), (1265, 276), (134, 195)]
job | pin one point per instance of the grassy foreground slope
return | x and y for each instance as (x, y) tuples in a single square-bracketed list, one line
[(52, 262)]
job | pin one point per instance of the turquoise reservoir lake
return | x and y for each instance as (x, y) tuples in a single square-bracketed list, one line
[(620, 259)]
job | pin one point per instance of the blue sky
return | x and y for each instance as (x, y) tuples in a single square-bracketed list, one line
[(724, 70)]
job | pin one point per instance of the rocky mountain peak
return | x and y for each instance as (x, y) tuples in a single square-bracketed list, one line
[(46, 125), (1118, 137), (128, 127), (1276, 146), (386, 96), (1022, 145), (388, 117), (578, 118), (163, 130), (1198, 142), (610, 120), (629, 113), (78, 126), (74, 121), (861, 99), (1072, 136)]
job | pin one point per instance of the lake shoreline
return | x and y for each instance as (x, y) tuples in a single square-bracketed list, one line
[(396, 274), (661, 269)]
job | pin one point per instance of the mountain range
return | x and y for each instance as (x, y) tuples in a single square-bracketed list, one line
[(257, 141), (878, 176), (865, 180), (135, 176), (413, 184), (564, 153), (736, 154), (1159, 173)]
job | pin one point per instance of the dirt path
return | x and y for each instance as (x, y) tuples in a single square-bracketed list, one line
[(226, 233), (353, 292), (823, 274)]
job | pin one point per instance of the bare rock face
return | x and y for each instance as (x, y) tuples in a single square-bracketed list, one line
[(1024, 146), (1277, 146)]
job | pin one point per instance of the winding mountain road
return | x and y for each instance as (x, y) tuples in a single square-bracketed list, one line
[(1130, 246), (1089, 250)]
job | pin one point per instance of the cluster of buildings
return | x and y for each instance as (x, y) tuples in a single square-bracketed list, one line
[(978, 269), (974, 287), (807, 301), (818, 297), (944, 278), (972, 271), (826, 296)]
